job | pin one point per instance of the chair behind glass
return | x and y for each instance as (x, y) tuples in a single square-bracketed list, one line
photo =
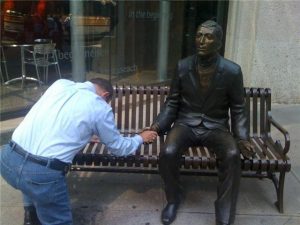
[(44, 55)]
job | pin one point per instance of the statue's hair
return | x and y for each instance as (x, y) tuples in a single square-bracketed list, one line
[(215, 26)]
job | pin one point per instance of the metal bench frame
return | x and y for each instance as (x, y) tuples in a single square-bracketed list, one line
[(135, 107)]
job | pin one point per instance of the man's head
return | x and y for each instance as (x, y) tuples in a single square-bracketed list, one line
[(103, 88), (208, 38)]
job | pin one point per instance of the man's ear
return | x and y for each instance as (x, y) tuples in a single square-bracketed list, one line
[(105, 94), (101, 92)]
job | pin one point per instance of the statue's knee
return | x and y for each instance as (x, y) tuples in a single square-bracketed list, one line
[(233, 154), (169, 152)]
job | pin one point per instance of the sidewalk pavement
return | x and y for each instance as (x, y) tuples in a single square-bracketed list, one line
[(136, 199)]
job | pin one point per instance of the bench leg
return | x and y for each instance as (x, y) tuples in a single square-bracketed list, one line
[(279, 186), (279, 202)]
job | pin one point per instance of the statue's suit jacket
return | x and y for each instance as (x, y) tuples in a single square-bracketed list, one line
[(223, 99)]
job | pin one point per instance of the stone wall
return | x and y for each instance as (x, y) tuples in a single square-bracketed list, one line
[(264, 38)]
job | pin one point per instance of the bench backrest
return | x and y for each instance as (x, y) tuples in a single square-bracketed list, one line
[(135, 107), (258, 104)]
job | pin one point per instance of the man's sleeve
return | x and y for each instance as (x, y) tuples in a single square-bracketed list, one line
[(239, 123), (111, 137), (168, 113)]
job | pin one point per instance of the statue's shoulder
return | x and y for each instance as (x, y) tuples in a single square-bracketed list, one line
[(229, 65), (187, 63)]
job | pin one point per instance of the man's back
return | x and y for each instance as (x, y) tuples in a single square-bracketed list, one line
[(62, 120)]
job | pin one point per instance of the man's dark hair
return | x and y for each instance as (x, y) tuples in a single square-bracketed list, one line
[(104, 84), (215, 26)]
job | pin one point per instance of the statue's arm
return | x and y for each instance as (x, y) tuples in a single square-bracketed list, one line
[(239, 124), (168, 114)]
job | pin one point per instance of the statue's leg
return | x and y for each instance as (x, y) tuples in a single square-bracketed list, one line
[(229, 172), (178, 139)]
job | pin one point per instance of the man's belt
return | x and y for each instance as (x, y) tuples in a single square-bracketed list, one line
[(54, 164)]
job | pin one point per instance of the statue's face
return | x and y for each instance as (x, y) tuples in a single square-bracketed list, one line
[(207, 43)]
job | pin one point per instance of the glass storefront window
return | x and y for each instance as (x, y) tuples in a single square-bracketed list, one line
[(129, 42)]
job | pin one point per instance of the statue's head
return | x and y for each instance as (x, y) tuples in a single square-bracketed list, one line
[(208, 38)]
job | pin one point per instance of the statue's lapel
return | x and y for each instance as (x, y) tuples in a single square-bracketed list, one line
[(214, 79), (193, 74)]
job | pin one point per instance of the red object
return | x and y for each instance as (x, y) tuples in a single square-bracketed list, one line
[(8, 5), (41, 6)]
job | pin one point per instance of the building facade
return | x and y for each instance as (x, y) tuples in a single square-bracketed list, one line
[(263, 37)]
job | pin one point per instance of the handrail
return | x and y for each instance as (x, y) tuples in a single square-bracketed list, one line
[(285, 133)]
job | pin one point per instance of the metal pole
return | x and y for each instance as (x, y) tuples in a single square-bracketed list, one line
[(163, 39), (121, 35), (77, 40)]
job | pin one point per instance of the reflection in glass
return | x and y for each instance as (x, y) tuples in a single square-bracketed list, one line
[(125, 41)]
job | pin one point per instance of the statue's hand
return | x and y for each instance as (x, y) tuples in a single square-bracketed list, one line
[(155, 127), (246, 148), (146, 128)]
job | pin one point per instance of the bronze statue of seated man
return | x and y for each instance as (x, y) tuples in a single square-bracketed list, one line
[(205, 90)]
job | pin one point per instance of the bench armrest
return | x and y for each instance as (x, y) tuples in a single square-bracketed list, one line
[(285, 133)]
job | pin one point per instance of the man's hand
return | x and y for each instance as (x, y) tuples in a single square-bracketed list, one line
[(246, 148), (148, 136), (95, 139)]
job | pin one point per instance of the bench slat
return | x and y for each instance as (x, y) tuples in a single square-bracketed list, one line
[(127, 105), (262, 111), (133, 107), (266, 152), (264, 163), (141, 107), (254, 111), (148, 107), (119, 108)]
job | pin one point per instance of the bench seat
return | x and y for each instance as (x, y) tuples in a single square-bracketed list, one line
[(146, 158)]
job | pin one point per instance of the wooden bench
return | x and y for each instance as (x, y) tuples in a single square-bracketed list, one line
[(135, 108)]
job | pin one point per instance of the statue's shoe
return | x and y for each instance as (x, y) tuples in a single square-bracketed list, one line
[(168, 214)]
